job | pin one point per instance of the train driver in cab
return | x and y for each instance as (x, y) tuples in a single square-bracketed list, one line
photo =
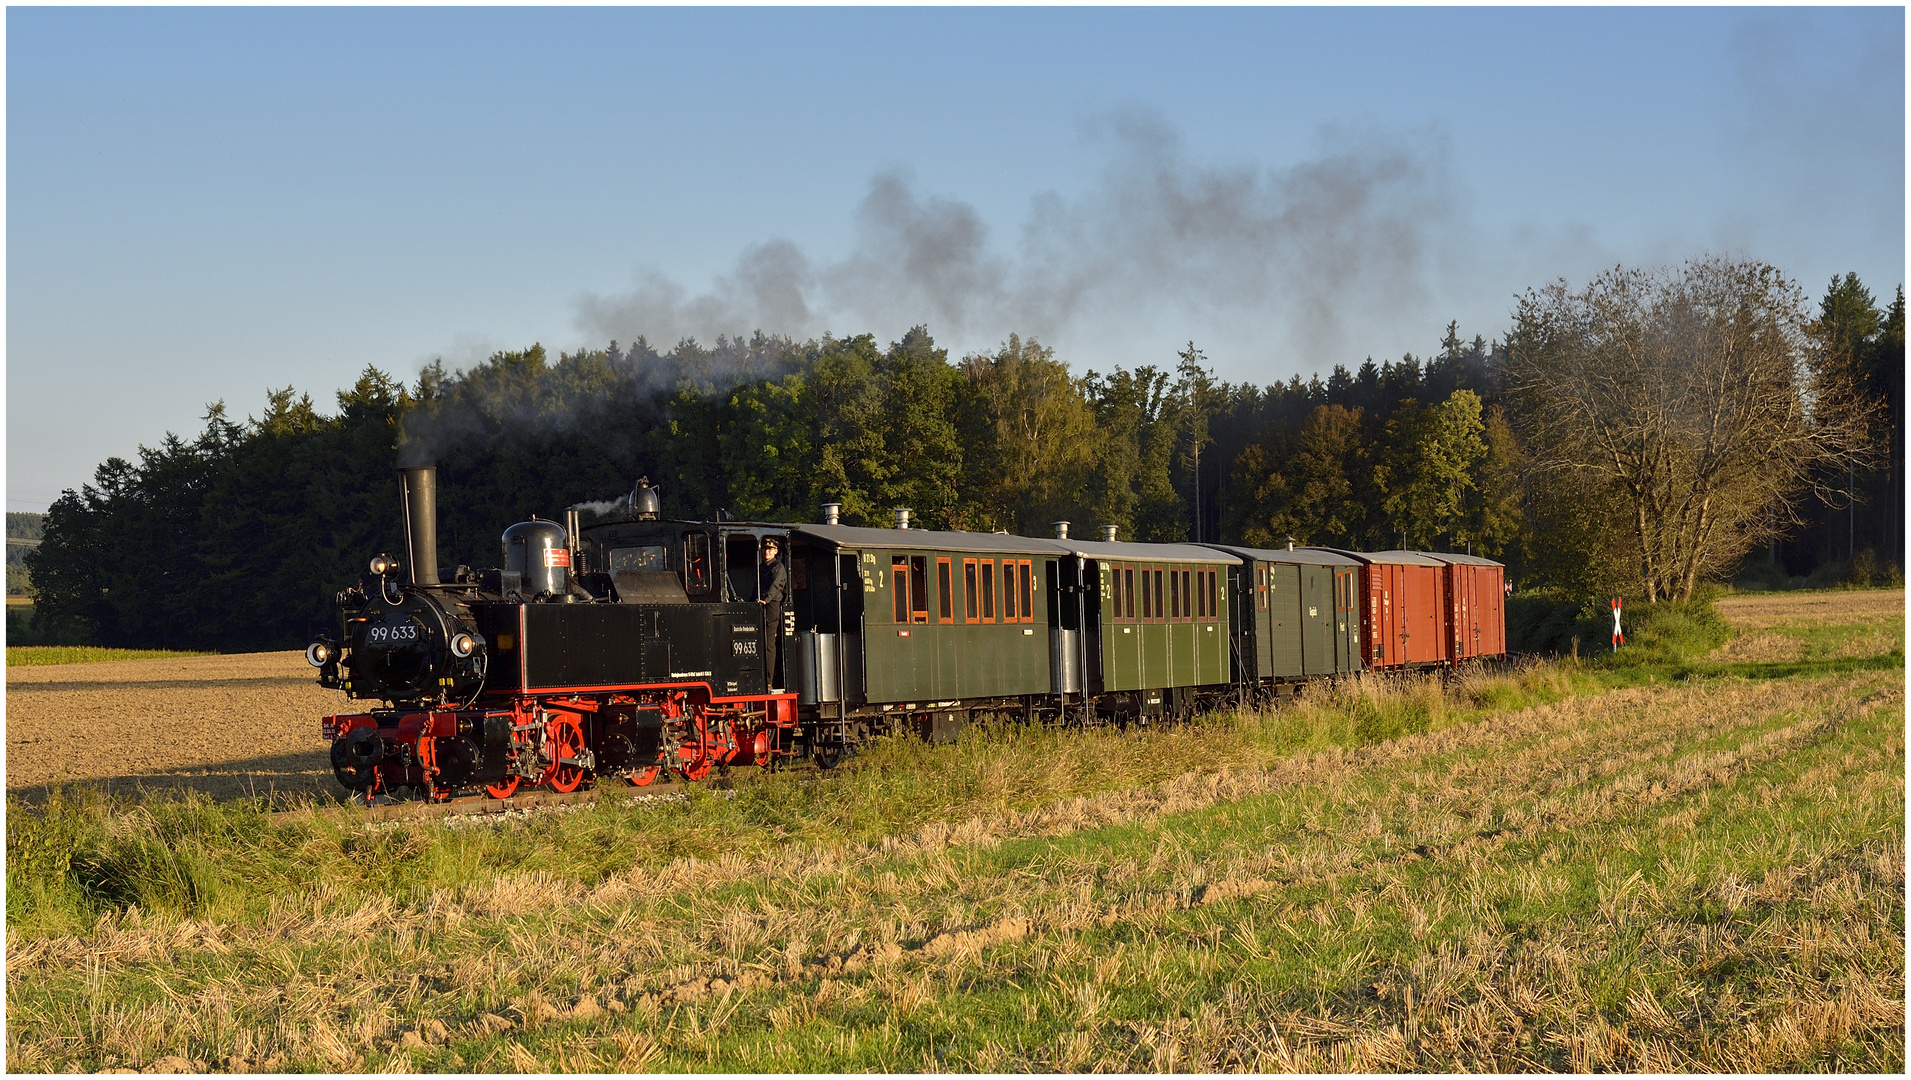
[(773, 592)]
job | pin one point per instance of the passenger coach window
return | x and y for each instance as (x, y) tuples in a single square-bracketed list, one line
[(919, 588), (1008, 590), (1128, 588), (899, 586), (970, 612), (1028, 593), (988, 590), (909, 588), (945, 591), (1174, 594)]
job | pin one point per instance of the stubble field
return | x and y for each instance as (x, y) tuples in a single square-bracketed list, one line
[(225, 725), (1678, 863)]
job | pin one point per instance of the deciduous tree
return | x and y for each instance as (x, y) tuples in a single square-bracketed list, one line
[(1690, 400)]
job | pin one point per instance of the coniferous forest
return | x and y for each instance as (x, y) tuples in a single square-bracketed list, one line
[(237, 537)]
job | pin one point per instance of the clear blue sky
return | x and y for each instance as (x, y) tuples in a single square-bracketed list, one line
[(203, 204)]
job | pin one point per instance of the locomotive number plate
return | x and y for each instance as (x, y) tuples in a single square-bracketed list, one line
[(377, 635)]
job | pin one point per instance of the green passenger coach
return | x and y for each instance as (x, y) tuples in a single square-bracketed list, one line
[(1156, 619), (946, 616)]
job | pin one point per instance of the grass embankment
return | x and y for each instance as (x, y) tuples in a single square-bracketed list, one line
[(38, 655), (1655, 862)]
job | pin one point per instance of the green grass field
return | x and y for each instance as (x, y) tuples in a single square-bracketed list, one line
[(1680, 858), (34, 655)]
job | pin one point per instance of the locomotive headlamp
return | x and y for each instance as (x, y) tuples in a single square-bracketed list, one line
[(463, 645), (384, 565), (319, 653)]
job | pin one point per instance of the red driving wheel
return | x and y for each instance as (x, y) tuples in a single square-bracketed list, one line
[(564, 739)]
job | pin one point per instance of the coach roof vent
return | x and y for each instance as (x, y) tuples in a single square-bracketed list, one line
[(1108, 532), (832, 512), (902, 518)]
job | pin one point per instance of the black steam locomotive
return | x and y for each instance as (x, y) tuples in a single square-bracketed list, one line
[(552, 670)]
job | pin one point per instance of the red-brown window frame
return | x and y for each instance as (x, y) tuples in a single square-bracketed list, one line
[(971, 579), (988, 590), (1028, 591), (1009, 592), (1260, 577), (1175, 592), (945, 589), (918, 588)]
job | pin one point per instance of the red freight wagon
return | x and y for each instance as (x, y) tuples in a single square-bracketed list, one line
[(1476, 604), (1403, 613)]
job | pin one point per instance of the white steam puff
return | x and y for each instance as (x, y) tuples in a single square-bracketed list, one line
[(602, 506), (1292, 257)]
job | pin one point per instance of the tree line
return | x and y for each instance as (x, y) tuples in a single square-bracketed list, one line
[(238, 538)]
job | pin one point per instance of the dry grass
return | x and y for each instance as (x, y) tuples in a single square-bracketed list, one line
[(1782, 627), (1761, 611), (1701, 876), (48, 655)]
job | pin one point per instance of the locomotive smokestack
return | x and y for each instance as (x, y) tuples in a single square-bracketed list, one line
[(1061, 530), (419, 488), (832, 511), (1108, 532)]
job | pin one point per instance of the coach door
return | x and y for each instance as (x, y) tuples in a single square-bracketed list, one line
[(1317, 619), (1284, 620), (1346, 618)]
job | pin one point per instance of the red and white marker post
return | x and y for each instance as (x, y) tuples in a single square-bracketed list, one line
[(1618, 635)]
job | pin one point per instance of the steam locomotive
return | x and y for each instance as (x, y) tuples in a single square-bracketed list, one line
[(639, 645)]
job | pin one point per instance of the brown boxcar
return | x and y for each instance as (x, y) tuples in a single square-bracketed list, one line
[(1403, 611), (1475, 590)]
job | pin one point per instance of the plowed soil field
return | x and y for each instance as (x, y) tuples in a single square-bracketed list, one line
[(226, 725)]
